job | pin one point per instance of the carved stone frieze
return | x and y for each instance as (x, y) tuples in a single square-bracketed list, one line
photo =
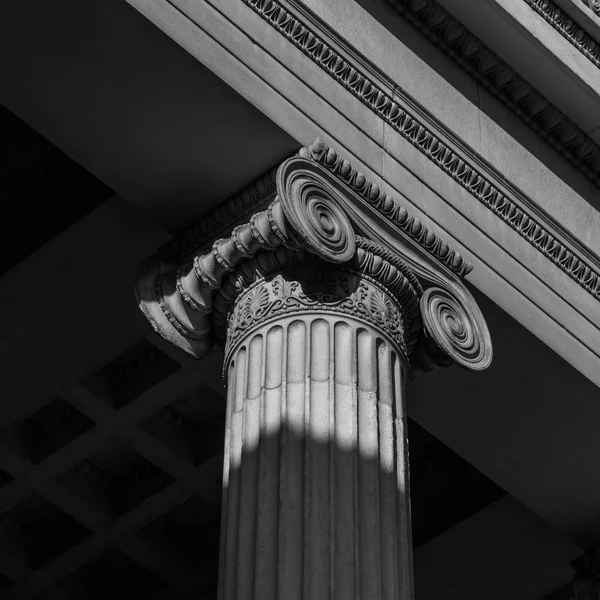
[(593, 4), (469, 53), (536, 111), (308, 251), (568, 28), (488, 187)]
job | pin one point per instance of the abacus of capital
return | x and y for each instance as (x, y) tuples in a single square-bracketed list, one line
[(326, 303)]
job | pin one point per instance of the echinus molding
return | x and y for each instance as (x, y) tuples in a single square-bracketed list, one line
[(568, 28), (500, 79), (316, 216), (460, 163)]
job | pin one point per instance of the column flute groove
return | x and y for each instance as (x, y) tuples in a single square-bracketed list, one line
[(320, 460)]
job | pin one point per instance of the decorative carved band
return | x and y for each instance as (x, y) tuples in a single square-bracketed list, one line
[(568, 28), (322, 291), (472, 55), (593, 4), (287, 281), (465, 49), (480, 186), (491, 197)]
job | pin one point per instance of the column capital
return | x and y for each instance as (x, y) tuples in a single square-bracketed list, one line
[(322, 211)]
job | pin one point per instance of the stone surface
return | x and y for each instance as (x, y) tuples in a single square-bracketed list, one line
[(316, 501), (321, 327)]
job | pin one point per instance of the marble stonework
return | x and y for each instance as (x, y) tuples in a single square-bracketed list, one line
[(323, 317)]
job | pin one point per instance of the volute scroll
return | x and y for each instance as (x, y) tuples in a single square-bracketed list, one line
[(325, 210), (458, 328)]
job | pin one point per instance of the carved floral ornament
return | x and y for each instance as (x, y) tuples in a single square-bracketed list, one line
[(320, 247)]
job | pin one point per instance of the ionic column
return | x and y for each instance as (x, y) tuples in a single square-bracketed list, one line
[(316, 486), (323, 303)]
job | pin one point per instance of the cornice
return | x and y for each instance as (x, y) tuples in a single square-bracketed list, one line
[(461, 163), (568, 28), (484, 65)]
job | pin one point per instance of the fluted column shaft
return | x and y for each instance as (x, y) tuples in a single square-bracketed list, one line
[(320, 301), (316, 499)]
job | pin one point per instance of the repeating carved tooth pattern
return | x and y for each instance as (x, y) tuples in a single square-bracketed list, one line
[(568, 28), (515, 92)]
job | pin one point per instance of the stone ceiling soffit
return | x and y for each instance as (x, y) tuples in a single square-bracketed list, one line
[(382, 96)]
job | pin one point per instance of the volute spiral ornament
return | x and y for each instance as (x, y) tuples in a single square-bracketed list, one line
[(457, 326), (314, 210), (391, 273)]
